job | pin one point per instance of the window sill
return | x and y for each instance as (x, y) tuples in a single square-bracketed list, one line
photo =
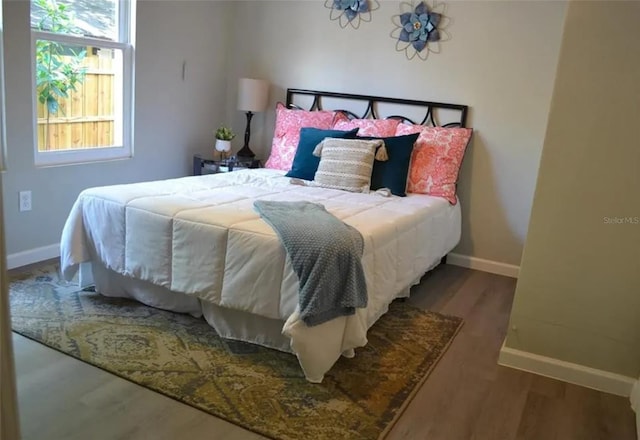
[(78, 157)]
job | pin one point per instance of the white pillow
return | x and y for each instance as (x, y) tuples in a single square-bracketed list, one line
[(346, 164)]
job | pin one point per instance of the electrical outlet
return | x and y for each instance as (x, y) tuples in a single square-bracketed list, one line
[(25, 201)]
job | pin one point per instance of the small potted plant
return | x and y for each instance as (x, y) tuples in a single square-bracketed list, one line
[(224, 135)]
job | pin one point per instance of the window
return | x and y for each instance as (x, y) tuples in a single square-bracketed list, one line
[(83, 79)]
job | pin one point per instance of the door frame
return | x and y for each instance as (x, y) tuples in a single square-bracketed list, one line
[(9, 419)]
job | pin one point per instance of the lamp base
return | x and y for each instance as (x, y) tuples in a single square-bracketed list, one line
[(245, 151)]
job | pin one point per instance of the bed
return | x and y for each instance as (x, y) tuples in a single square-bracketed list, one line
[(196, 245)]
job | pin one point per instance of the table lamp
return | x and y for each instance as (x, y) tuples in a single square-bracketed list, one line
[(253, 95)]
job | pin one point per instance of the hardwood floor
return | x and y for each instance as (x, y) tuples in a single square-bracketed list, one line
[(467, 396)]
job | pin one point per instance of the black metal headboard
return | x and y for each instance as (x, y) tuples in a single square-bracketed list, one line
[(371, 111)]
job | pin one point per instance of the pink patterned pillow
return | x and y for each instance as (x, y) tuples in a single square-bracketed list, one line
[(367, 127), (436, 159), (287, 133)]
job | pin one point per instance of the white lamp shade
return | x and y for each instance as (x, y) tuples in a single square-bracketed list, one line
[(253, 94)]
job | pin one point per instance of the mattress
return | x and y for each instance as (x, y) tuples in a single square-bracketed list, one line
[(200, 236)]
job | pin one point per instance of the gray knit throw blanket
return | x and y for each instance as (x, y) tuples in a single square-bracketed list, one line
[(326, 255)]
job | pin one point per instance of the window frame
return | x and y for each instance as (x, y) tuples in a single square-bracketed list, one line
[(125, 43)]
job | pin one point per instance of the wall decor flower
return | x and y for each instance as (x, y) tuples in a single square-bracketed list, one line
[(351, 12), (419, 29)]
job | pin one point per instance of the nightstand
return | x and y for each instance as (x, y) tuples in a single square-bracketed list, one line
[(213, 166)]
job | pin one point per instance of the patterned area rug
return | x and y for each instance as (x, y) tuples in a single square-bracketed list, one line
[(257, 388)]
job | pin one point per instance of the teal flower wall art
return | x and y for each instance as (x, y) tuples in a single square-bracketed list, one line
[(351, 12), (419, 29)]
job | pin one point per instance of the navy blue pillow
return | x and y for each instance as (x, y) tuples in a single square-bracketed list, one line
[(393, 173), (305, 164)]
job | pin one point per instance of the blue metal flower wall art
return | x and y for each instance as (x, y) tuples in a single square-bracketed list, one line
[(351, 12), (420, 30)]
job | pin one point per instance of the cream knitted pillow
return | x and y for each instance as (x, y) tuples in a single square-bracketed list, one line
[(347, 164)]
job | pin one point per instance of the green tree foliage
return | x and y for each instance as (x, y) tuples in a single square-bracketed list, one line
[(59, 69)]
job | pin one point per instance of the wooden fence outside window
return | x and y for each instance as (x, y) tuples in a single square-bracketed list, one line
[(86, 118)]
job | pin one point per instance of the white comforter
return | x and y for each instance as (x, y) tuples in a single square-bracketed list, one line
[(201, 236)]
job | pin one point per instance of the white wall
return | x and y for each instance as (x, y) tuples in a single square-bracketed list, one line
[(501, 61), (635, 404), (577, 298), (173, 119)]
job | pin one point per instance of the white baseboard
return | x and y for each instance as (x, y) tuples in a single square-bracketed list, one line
[(33, 256), (508, 270), (635, 403), (566, 371)]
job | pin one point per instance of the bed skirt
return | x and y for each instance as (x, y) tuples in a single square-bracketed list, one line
[(228, 323)]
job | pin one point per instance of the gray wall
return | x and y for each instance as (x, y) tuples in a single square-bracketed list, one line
[(501, 61), (578, 296), (173, 119)]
